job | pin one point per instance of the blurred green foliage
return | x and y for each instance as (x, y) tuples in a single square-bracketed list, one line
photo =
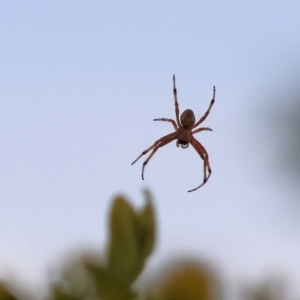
[(131, 241), (5, 294), (132, 235)]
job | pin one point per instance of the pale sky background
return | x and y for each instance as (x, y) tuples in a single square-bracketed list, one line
[(81, 82)]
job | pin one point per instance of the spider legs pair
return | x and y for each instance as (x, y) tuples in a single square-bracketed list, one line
[(159, 143), (206, 166)]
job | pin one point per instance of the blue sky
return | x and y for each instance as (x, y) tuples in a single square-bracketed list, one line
[(81, 82)]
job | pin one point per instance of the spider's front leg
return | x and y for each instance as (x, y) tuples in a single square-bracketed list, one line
[(172, 135), (206, 166), (159, 143)]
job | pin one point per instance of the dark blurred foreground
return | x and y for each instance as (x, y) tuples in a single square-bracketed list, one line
[(114, 277)]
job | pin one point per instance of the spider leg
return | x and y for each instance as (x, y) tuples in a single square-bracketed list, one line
[(204, 155), (176, 101), (208, 110), (201, 129), (161, 144), (172, 135), (167, 120)]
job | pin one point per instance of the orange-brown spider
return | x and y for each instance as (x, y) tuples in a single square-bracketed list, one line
[(184, 135)]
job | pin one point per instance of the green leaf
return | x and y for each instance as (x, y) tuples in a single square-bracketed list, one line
[(132, 238)]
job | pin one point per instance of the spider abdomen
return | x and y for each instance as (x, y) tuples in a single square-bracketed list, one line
[(187, 119)]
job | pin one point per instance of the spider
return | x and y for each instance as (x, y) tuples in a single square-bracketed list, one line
[(185, 128)]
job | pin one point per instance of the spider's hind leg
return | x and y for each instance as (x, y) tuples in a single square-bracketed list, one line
[(176, 101), (208, 110)]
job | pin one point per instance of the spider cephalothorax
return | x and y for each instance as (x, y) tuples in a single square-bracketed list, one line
[(184, 130)]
